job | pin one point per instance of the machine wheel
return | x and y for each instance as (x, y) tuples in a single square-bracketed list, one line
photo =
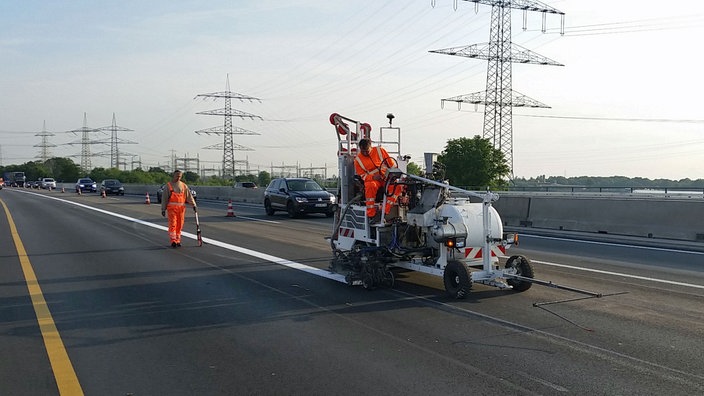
[(368, 282), (457, 280), (523, 268), (389, 279), (267, 207), (291, 210)]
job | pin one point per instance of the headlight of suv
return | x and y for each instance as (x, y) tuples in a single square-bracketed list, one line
[(301, 199), (333, 198)]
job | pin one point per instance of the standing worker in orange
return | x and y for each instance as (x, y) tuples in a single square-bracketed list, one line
[(174, 201), (372, 164)]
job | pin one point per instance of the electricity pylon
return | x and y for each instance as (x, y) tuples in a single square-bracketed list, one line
[(114, 141), (85, 143), (499, 97), (44, 145), (227, 130)]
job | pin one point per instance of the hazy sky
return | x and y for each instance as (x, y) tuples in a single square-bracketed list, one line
[(627, 102)]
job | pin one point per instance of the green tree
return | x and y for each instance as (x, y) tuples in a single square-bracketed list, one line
[(263, 179), (474, 163), (190, 177), (34, 170), (414, 169), (63, 169)]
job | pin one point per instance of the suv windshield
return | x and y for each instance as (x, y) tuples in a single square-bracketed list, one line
[(303, 185)]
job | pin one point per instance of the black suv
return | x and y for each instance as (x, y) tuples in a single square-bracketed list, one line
[(298, 195)]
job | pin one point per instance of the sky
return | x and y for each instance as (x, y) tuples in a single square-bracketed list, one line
[(627, 101)]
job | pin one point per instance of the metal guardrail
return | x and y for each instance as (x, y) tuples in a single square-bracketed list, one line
[(623, 190)]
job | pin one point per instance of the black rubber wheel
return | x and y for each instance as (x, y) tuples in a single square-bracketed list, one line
[(523, 268), (291, 210), (389, 279), (267, 207), (368, 282), (457, 280)]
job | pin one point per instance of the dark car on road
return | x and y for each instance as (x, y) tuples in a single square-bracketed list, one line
[(112, 186), (86, 185), (298, 195), (160, 193)]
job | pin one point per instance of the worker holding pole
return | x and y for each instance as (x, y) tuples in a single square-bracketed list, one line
[(176, 194)]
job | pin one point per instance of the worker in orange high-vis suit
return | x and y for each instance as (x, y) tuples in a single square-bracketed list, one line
[(371, 164), (176, 194)]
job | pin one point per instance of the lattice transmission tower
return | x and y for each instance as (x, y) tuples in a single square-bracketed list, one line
[(115, 141), (85, 143), (228, 130), (499, 98), (45, 154)]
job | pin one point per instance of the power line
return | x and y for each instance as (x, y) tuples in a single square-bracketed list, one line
[(673, 120)]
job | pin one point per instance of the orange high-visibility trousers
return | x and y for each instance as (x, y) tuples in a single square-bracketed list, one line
[(371, 188), (176, 215)]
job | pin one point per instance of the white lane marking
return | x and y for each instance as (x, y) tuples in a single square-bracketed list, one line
[(255, 219), (613, 244), (263, 256), (325, 273), (657, 280)]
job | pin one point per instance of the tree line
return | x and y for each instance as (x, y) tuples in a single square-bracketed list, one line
[(64, 170), (471, 163)]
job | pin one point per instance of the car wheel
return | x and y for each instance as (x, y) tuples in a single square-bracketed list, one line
[(291, 209), (267, 207)]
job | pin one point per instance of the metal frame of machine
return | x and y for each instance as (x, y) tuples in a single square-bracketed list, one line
[(434, 228)]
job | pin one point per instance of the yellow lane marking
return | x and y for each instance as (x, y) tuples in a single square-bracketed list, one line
[(61, 365)]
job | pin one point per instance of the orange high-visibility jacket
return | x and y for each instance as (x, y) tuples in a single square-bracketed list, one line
[(179, 188), (377, 162)]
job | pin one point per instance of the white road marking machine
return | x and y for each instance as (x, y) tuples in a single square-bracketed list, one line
[(433, 228)]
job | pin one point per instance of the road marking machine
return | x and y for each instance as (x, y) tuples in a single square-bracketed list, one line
[(433, 227)]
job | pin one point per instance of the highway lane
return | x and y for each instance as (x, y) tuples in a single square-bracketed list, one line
[(138, 317)]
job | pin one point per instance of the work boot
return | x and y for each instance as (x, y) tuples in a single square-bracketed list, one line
[(178, 244), (173, 244)]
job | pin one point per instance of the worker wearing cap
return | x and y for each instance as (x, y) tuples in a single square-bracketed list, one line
[(174, 201), (371, 164)]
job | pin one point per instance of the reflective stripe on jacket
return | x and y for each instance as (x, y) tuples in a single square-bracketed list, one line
[(378, 161)]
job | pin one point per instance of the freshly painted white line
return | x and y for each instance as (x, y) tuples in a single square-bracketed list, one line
[(249, 252)]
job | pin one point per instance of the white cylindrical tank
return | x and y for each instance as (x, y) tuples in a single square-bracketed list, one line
[(465, 219)]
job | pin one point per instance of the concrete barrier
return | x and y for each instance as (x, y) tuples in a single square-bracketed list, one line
[(248, 195), (619, 214)]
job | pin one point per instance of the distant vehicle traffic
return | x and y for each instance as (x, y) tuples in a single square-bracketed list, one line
[(48, 183), (14, 179), (160, 193), (245, 185), (112, 186), (297, 196), (86, 185)]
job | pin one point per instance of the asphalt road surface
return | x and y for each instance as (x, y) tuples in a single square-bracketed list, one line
[(93, 301)]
